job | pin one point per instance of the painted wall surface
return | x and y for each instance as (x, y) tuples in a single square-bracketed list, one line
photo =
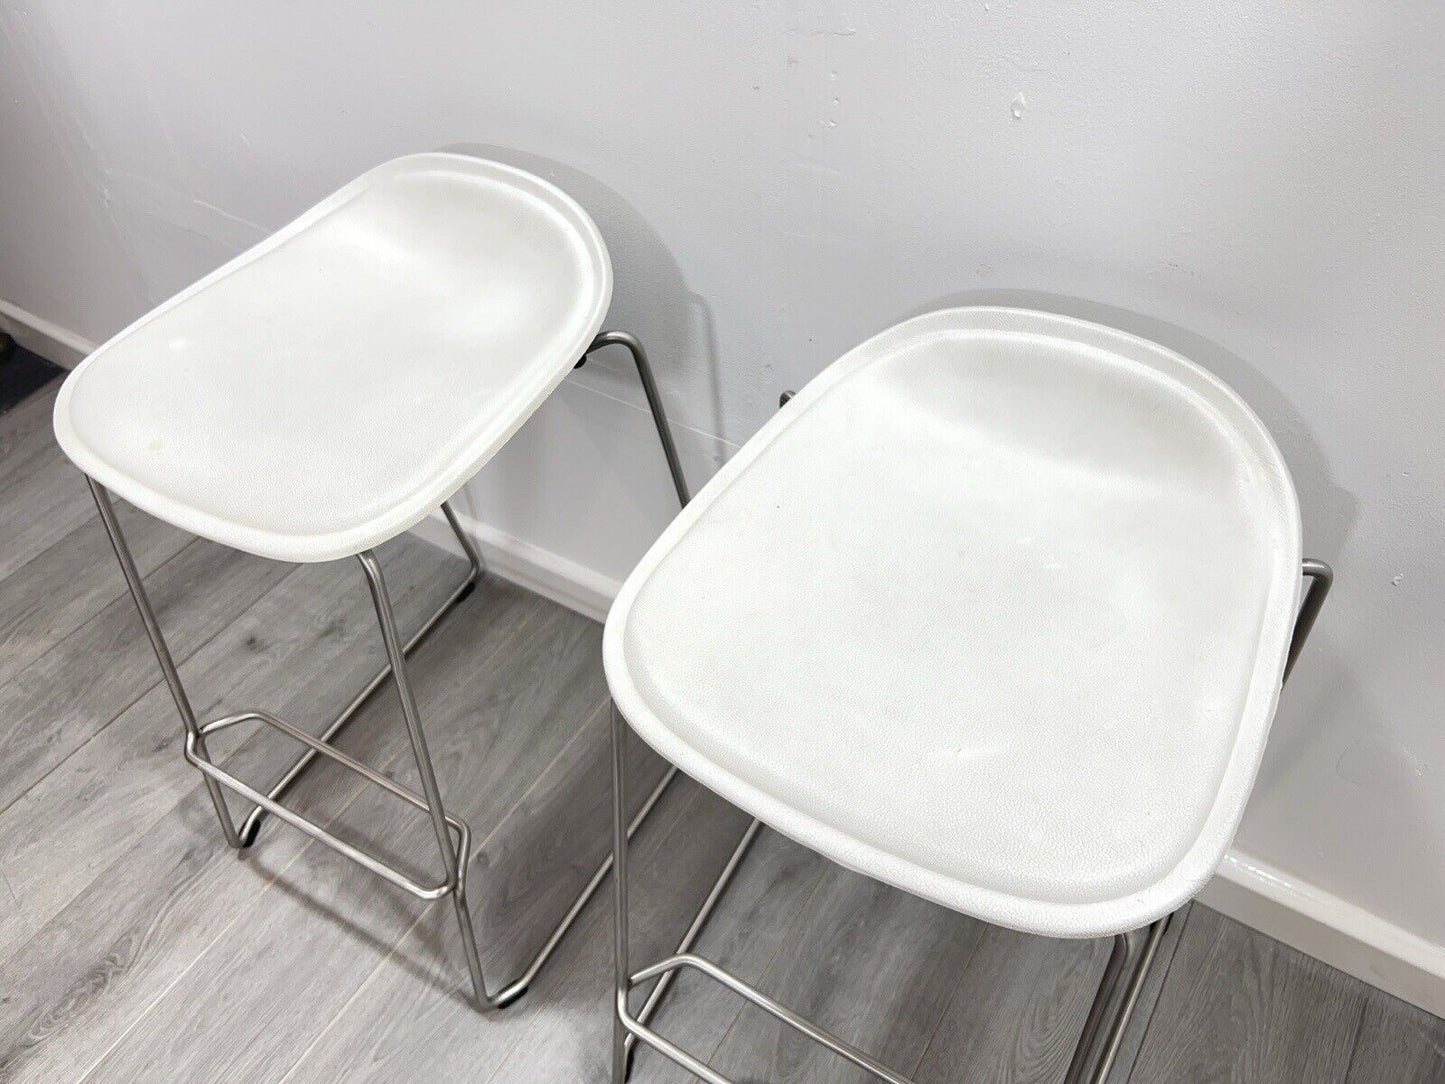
[(1257, 185)]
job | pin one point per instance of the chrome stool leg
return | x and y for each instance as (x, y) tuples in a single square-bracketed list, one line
[(1099, 1043), (397, 657), (1113, 1006), (158, 645), (251, 825), (1134, 952), (621, 944), (476, 570), (628, 1028), (453, 835), (454, 864), (654, 401)]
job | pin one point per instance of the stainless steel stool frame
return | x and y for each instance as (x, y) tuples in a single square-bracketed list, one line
[(453, 836), (1099, 1042)]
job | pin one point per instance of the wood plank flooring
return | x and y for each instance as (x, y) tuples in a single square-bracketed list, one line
[(135, 947)]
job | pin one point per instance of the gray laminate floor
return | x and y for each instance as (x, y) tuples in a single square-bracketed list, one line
[(135, 947)]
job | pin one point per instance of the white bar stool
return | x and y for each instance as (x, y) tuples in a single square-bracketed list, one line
[(323, 392), (996, 611)]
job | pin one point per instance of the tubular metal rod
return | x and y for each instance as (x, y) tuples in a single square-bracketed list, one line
[(158, 645), (773, 1008), (397, 656), (654, 997), (321, 835), (1131, 997), (1105, 997), (1089, 1048), (590, 888), (659, 416), (637, 1031), (1109, 1015), (251, 825), (479, 567), (1321, 578), (654, 402), (330, 752), (269, 803), (621, 983)]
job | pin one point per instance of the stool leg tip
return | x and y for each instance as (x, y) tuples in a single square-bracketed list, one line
[(511, 998)]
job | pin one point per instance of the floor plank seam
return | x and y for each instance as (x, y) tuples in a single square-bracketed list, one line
[(9, 889), (1154, 1008), (584, 930), (32, 928), (83, 525), (1355, 1042), (267, 883), (421, 916), (226, 854), (798, 913), (947, 1005), (128, 705), (502, 821), (35, 930)]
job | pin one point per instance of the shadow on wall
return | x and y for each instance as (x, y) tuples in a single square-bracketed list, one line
[(1328, 511), (650, 299), (1371, 758), (589, 445)]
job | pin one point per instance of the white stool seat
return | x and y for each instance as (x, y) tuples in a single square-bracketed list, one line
[(328, 388), (995, 610)]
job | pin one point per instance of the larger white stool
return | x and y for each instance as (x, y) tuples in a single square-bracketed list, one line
[(325, 391), (997, 611)]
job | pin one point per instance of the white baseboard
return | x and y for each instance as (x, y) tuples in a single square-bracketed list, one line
[(37, 334), (558, 578), (1320, 924)]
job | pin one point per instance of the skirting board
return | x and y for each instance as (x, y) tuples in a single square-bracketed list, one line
[(563, 581), (1328, 928), (40, 336), (1246, 889)]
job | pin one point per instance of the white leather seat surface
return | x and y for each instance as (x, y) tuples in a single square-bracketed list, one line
[(328, 388), (995, 610)]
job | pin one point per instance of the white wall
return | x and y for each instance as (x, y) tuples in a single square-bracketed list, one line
[(1257, 185)]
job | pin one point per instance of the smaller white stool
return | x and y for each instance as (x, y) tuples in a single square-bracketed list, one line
[(996, 611), (325, 391)]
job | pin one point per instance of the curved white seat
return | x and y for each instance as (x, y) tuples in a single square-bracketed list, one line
[(995, 610), (328, 388)]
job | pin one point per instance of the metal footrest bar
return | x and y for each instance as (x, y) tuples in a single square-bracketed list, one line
[(311, 828), (762, 1001), (655, 996), (1094, 1055), (251, 825)]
